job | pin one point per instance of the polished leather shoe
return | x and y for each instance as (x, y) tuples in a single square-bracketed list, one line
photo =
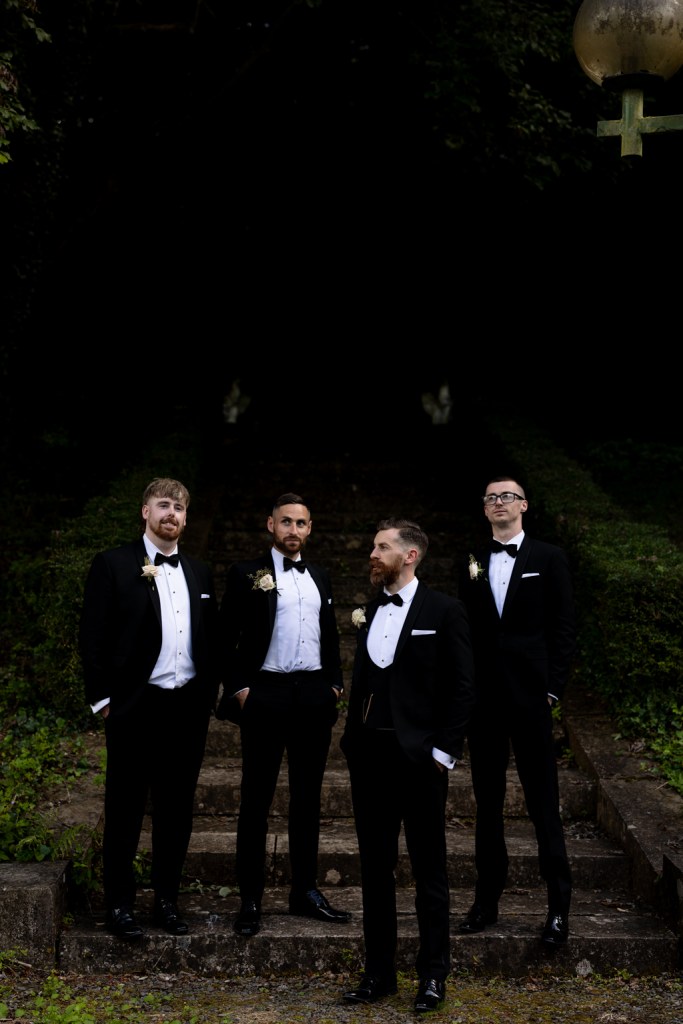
[(120, 922), (166, 916), (478, 917), (370, 989), (555, 930), (430, 993), (314, 904), (248, 921)]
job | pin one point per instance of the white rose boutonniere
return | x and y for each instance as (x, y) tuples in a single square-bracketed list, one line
[(149, 571), (263, 580), (358, 617), (476, 571)]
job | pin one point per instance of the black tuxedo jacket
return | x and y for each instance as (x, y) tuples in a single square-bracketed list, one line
[(528, 650), (120, 627), (247, 618), (432, 685)]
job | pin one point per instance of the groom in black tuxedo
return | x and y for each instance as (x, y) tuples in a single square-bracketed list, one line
[(147, 641), (411, 693), (518, 593), (282, 679)]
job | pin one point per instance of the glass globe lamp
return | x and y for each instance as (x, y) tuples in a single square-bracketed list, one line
[(624, 44)]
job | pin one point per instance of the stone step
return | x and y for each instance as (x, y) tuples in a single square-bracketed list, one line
[(609, 933), (597, 862), (218, 792)]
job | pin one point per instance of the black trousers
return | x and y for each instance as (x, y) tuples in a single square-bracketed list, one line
[(528, 731), (388, 790), (154, 754), (289, 713)]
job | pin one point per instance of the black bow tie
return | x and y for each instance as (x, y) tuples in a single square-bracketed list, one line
[(289, 564), (510, 548), (391, 599), (171, 559)]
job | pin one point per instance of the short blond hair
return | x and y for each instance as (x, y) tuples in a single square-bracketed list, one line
[(165, 487)]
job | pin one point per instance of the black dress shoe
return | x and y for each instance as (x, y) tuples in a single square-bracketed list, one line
[(430, 993), (478, 916), (370, 989), (314, 904), (120, 922), (166, 916), (248, 921), (555, 930)]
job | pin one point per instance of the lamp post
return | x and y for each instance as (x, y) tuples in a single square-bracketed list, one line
[(629, 46)]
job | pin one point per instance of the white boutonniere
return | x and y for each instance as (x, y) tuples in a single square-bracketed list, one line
[(263, 580), (358, 617), (149, 570), (476, 571)]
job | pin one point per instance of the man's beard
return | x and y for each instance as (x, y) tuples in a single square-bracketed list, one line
[(382, 575), (167, 530), (284, 549)]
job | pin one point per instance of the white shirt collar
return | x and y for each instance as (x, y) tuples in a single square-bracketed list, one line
[(407, 592), (153, 551)]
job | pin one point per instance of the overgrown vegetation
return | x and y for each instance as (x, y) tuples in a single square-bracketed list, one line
[(629, 580)]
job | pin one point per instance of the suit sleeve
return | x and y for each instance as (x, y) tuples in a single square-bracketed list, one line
[(560, 623), (95, 643), (231, 624), (459, 694)]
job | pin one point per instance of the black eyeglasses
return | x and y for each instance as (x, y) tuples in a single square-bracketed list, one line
[(507, 497)]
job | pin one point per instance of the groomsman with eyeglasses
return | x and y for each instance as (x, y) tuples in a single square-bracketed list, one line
[(519, 597)]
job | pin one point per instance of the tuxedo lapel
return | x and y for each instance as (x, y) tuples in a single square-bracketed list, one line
[(271, 597), (315, 576), (364, 632), (140, 556), (484, 559), (515, 578), (193, 590), (413, 612)]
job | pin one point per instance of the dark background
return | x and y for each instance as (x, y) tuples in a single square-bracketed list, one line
[(262, 195)]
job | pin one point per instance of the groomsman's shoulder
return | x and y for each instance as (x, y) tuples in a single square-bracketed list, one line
[(250, 565), (545, 547)]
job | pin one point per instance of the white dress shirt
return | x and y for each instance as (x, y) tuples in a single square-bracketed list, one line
[(295, 643), (174, 666), (500, 571)]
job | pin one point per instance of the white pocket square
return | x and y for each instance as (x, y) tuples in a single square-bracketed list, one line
[(422, 632), (525, 575), (204, 596)]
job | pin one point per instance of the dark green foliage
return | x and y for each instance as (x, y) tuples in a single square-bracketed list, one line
[(629, 590), (36, 751), (42, 705), (504, 79)]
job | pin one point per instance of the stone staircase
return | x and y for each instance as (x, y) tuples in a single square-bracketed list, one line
[(620, 921)]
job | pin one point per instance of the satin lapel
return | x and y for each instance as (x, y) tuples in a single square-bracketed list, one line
[(193, 589), (370, 610), (316, 579), (415, 608), (272, 596), (484, 558), (520, 564), (141, 554)]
